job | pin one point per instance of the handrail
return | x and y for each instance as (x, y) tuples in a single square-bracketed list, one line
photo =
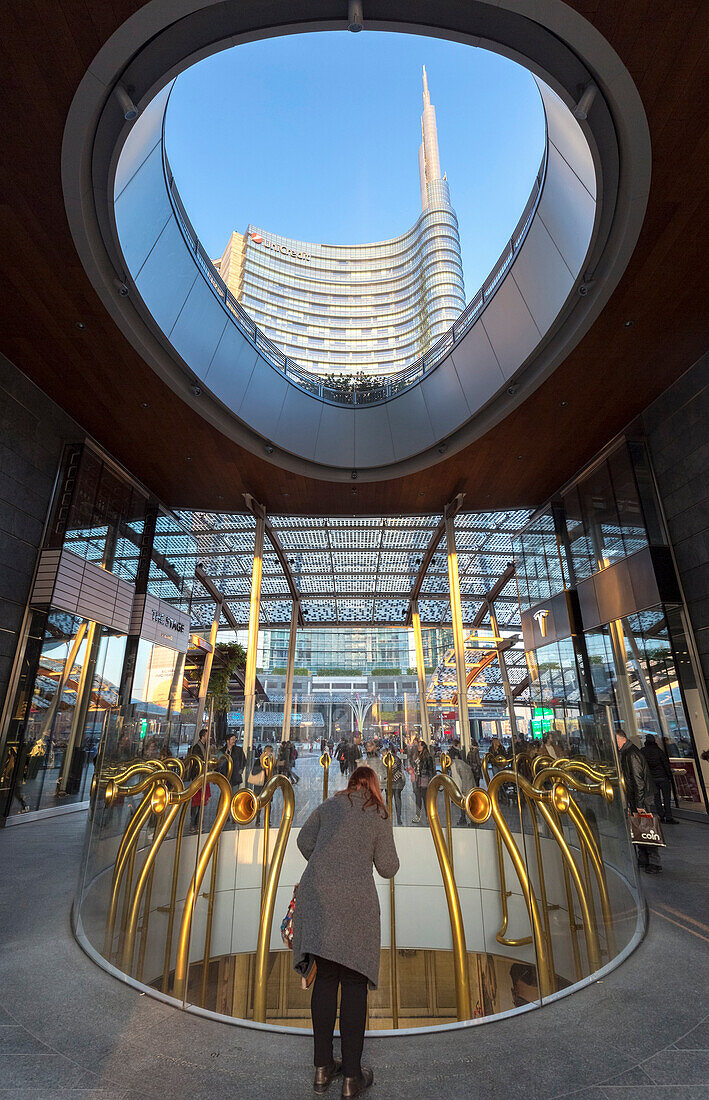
[(316, 384)]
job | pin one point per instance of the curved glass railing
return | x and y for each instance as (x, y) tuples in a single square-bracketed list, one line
[(363, 391), (516, 885)]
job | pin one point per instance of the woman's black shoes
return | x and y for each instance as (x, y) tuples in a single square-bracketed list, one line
[(354, 1086), (325, 1075)]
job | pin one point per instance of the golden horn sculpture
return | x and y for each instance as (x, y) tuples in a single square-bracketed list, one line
[(544, 970), (164, 784), (388, 761), (325, 762), (587, 841), (183, 940), (477, 807), (267, 761), (126, 850), (244, 807)]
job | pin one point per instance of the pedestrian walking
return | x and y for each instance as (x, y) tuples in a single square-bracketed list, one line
[(639, 794), (659, 764)]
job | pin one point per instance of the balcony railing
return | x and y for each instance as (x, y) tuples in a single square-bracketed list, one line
[(378, 389)]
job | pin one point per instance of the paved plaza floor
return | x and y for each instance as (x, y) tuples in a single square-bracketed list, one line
[(69, 1030)]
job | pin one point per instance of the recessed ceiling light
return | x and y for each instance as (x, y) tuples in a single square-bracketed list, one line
[(188, 458), (145, 404), (80, 325), (628, 324), (520, 457), (563, 404)]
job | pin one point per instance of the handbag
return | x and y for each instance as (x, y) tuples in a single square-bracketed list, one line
[(645, 829), (308, 968), (256, 778), (287, 922)]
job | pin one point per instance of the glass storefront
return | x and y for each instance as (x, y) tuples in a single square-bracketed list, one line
[(616, 654)]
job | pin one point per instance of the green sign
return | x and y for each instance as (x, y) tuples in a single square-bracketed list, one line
[(542, 721), (143, 727)]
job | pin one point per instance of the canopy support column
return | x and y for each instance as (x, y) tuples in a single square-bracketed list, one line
[(421, 671), (254, 608), (288, 703), (458, 638)]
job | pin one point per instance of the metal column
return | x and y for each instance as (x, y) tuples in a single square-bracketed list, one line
[(288, 702), (458, 639), (421, 671), (509, 698), (254, 608), (207, 670)]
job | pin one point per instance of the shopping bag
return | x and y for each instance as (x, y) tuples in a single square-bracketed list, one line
[(645, 829)]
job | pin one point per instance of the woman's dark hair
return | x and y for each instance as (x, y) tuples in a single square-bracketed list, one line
[(365, 779)]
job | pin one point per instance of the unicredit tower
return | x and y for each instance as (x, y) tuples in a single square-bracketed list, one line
[(370, 307)]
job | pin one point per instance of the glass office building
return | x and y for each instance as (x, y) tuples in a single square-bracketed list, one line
[(349, 309)]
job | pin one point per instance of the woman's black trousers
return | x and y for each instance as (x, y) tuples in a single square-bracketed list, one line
[(330, 977)]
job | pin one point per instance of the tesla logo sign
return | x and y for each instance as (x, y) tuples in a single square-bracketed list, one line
[(281, 249), (541, 620)]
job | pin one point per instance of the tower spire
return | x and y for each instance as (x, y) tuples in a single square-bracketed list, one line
[(429, 161)]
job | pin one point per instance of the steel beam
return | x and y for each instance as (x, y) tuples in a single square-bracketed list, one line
[(457, 621), (252, 645), (288, 701), (421, 671)]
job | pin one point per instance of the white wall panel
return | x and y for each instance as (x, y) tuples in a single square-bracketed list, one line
[(144, 135), (373, 445), (335, 444), (477, 367), (510, 328), (543, 278), (199, 327), (264, 398), (566, 134), (231, 368), (410, 424), (167, 277), (567, 210), (299, 422), (142, 211), (445, 399)]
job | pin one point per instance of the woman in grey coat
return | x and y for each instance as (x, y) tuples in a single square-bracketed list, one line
[(336, 923)]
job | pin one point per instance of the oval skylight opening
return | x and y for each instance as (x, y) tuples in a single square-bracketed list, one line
[(352, 205)]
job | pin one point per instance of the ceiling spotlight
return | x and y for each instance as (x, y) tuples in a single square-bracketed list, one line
[(628, 324), (188, 458), (520, 457), (196, 389), (584, 104), (130, 111), (563, 404), (268, 449), (354, 16), (354, 475), (512, 389), (443, 448), (80, 325), (145, 404)]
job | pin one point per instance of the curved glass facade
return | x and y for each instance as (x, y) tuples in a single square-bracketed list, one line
[(357, 308)]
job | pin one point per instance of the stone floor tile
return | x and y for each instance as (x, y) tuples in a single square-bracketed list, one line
[(696, 1039), (679, 1067)]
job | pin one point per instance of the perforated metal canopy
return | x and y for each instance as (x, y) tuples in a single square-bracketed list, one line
[(348, 570)]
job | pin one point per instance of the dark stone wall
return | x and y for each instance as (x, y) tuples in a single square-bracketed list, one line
[(33, 432), (677, 430)]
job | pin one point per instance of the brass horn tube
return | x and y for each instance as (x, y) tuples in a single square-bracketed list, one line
[(173, 896), (464, 1009), (267, 765), (592, 947), (171, 780), (325, 765), (445, 769), (269, 898), (587, 842), (183, 942), (529, 802), (130, 838), (546, 979), (393, 965), (208, 929)]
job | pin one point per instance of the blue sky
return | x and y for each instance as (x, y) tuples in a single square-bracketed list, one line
[(315, 136)]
